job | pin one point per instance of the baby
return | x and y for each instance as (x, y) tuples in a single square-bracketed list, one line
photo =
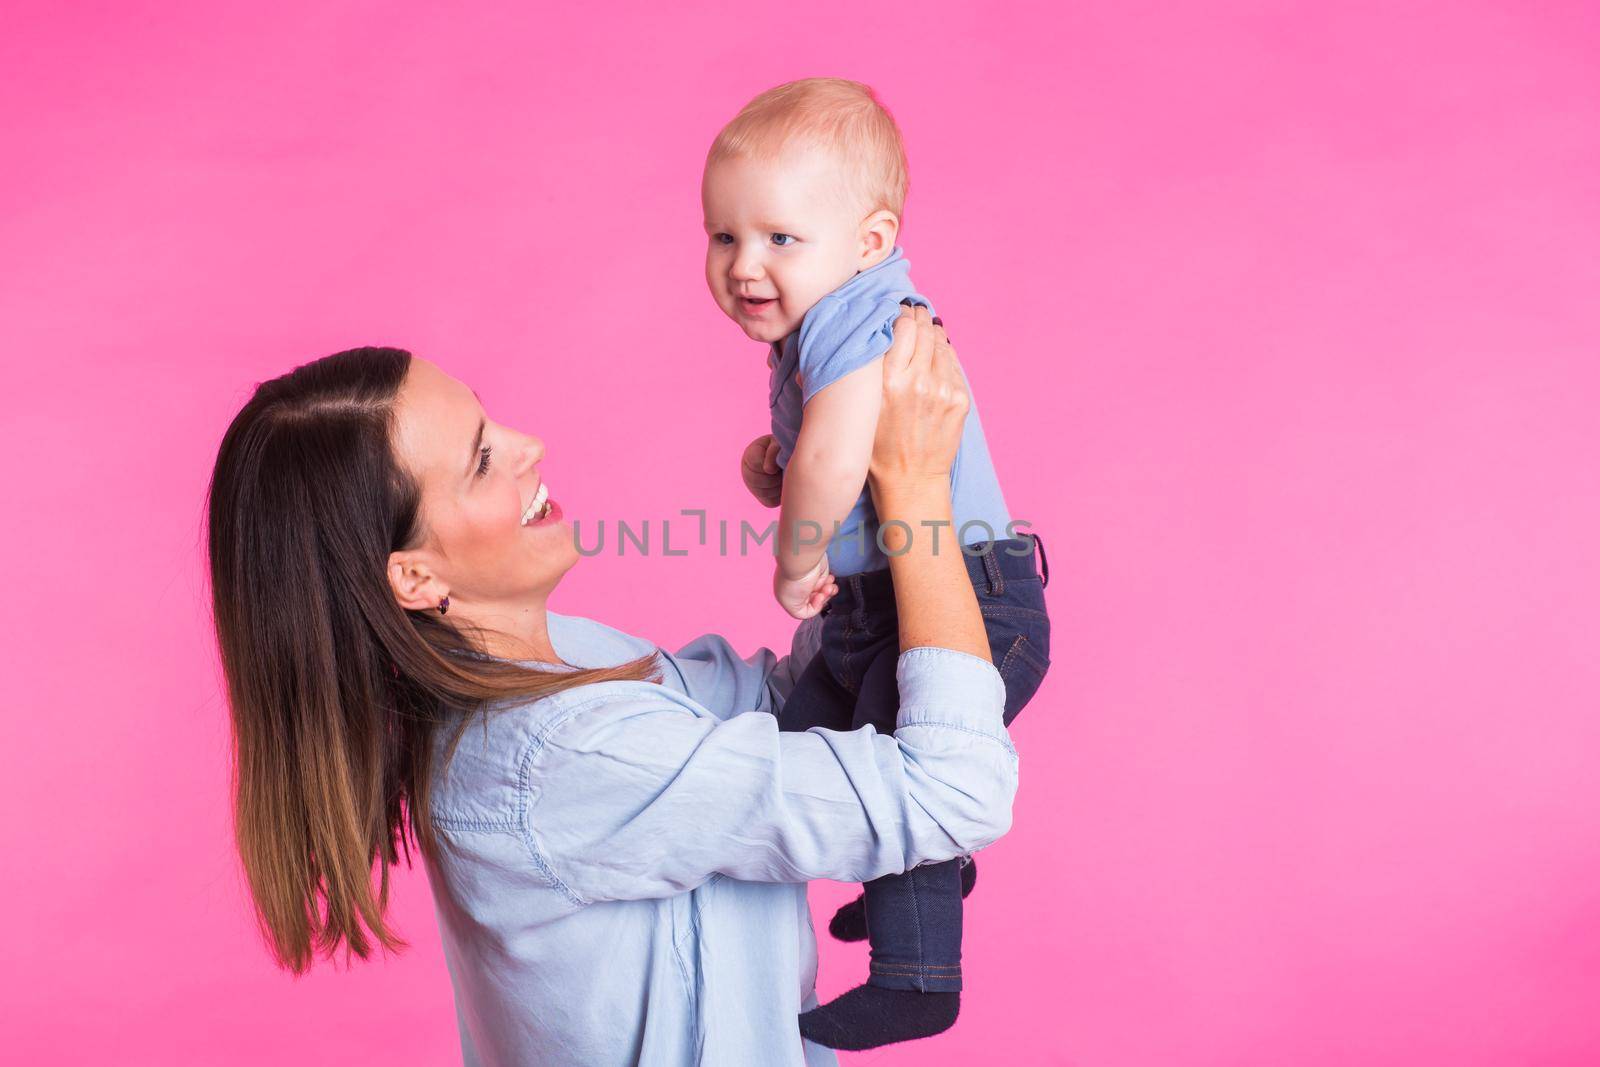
[(803, 193)]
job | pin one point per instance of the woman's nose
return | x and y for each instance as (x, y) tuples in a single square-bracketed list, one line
[(532, 452)]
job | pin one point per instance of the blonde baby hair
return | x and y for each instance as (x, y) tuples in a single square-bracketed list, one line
[(836, 115)]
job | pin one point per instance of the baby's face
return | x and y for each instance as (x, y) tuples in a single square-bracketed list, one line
[(780, 236)]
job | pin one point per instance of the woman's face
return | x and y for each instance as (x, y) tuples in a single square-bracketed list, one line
[(494, 541)]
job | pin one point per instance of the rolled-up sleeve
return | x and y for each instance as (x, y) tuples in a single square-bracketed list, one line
[(642, 792)]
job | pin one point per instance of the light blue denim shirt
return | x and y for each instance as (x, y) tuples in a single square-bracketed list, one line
[(620, 870), (843, 332)]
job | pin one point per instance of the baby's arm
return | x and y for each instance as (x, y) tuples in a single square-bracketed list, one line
[(824, 477)]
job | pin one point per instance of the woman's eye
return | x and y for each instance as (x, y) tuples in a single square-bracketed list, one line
[(782, 239), (483, 460)]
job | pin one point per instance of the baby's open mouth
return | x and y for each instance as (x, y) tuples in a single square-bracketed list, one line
[(539, 506), (753, 302)]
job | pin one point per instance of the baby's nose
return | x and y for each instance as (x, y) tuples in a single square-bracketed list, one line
[(748, 266)]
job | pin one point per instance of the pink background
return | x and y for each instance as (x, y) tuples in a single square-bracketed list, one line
[(1284, 325)]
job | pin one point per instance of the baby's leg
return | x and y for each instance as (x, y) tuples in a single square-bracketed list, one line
[(818, 699), (849, 923), (913, 924), (913, 920)]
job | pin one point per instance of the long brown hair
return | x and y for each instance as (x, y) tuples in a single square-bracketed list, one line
[(338, 696)]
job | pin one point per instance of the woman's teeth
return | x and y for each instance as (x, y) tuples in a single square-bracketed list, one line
[(539, 507)]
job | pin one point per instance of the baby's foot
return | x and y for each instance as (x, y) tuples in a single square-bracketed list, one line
[(849, 923), (869, 1016)]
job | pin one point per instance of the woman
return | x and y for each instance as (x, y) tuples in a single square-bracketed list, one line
[(617, 846)]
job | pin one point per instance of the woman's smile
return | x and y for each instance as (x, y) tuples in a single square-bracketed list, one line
[(539, 508), (548, 514)]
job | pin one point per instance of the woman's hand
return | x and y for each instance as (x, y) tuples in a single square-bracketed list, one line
[(925, 404), (919, 431), (759, 469)]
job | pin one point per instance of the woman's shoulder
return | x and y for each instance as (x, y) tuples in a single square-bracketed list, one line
[(587, 643), (511, 727), (581, 643), (483, 770)]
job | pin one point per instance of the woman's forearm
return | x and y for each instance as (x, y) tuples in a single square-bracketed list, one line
[(643, 773), (933, 594)]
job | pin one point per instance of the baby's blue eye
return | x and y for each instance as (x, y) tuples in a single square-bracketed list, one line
[(722, 238), (782, 239)]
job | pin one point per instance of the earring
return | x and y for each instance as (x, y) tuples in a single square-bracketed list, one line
[(444, 605)]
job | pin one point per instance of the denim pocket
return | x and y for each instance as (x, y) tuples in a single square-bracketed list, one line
[(1019, 644), (1022, 670)]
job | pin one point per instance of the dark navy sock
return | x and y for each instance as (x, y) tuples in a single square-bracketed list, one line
[(869, 1016), (849, 923)]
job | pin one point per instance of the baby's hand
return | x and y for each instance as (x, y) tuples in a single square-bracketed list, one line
[(759, 468), (803, 597)]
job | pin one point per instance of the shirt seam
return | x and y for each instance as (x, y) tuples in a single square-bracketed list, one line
[(524, 826), (959, 728), (937, 651), (477, 825)]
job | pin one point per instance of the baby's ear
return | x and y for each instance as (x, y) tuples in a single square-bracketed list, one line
[(878, 233)]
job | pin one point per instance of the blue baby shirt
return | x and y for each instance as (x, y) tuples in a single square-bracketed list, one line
[(846, 330)]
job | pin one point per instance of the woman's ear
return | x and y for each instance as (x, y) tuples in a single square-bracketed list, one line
[(415, 586), (878, 231)]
